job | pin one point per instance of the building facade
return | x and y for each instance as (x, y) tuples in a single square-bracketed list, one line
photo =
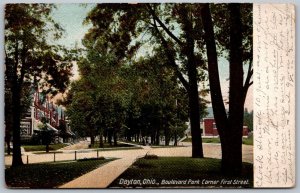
[(43, 107), (208, 126), (210, 129)]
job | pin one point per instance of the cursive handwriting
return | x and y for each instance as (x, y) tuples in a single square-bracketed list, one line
[(274, 95)]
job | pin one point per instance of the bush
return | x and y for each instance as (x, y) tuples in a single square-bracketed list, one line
[(149, 156)]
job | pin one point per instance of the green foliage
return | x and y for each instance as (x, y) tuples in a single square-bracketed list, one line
[(32, 62), (29, 55), (119, 91), (248, 119)]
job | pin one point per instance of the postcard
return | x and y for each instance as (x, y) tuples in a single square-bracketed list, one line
[(149, 95)]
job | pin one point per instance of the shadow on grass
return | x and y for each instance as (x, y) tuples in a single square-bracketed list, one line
[(181, 172), (49, 175)]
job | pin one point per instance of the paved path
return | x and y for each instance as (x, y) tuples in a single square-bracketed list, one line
[(104, 175), (79, 145)]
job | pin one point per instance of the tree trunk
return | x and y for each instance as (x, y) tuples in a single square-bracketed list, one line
[(105, 136), (167, 135), (92, 139), (101, 144), (191, 87), (175, 139), (236, 105), (194, 111), (7, 141), (115, 138), (157, 137), (16, 96), (152, 139), (47, 147), (230, 129), (109, 137)]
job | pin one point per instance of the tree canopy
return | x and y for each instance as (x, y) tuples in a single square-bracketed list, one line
[(31, 60)]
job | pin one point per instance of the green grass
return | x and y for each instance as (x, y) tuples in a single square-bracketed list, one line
[(118, 148), (246, 141), (204, 140), (163, 146), (107, 145), (52, 147), (49, 175), (200, 171)]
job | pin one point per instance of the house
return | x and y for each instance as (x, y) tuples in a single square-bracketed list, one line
[(43, 107), (209, 126)]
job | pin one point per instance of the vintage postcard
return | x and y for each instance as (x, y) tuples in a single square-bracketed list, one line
[(149, 95)]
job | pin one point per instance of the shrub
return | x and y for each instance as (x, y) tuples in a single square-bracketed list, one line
[(149, 156)]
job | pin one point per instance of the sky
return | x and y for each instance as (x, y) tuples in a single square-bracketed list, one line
[(71, 17)]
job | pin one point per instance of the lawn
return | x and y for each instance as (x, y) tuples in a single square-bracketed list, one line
[(181, 172), (52, 147), (246, 141), (107, 145), (49, 175), (204, 140), (164, 146)]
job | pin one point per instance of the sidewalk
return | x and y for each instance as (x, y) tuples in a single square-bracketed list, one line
[(79, 145), (105, 174)]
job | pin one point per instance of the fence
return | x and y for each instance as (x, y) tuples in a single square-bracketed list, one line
[(60, 156)]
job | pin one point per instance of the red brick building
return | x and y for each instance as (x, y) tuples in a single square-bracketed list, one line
[(41, 107), (210, 129)]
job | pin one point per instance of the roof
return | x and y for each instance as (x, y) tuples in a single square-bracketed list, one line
[(210, 112)]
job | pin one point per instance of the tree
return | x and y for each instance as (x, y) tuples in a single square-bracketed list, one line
[(191, 37), (30, 59), (121, 25), (248, 119), (102, 92), (46, 135), (155, 92), (230, 128)]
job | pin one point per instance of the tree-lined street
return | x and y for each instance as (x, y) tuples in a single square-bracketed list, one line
[(145, 77), (104, 175)]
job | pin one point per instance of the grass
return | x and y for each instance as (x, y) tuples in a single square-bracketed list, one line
[(107, 145), (194, 172), (163, 146), (204, 140), (49, 175), (118, 148), (52, 147), (246, 141)]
